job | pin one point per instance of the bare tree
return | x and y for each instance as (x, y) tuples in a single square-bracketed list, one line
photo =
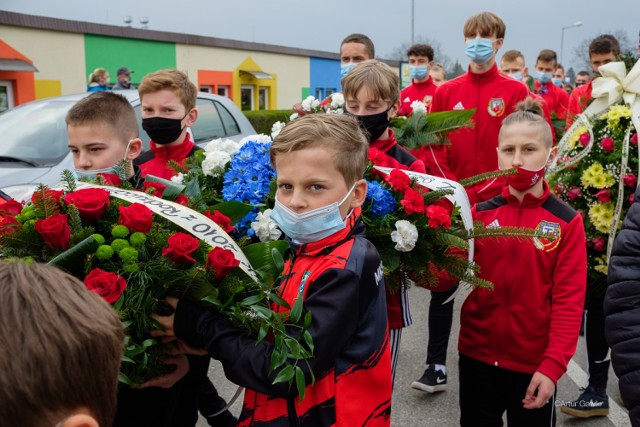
[(400, 53), (581, 52)]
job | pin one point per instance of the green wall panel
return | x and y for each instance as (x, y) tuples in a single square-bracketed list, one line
[(142, 56), (305, 92)]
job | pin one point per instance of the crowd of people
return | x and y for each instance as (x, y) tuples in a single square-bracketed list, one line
[(515, 342)]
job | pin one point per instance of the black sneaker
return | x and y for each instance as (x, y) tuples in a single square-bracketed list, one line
[(431, 381), (591, 403)]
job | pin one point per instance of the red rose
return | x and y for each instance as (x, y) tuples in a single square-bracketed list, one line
[(634, 139), (607, 145), (584, 139), (158, 188), (603, 196), (182, 200), (92, 203), (574, 193), (106, 284), (631, 197), (630, 180), (398, 180), (9, 224), (136, 217), (180, 247), (438, 216), (413, 202), (598, 244), (221, 262), (220, 219), (49, 194), (55, 231), (10, 208), (111, 179)]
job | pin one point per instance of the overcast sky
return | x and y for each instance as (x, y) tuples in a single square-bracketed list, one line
[(322, 24)]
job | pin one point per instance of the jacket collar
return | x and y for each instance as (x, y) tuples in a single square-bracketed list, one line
[(529, 200), (384, 145), (172, 152), (425, 83), (354, 226), (480, 78)]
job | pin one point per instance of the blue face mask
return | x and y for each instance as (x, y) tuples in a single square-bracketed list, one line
[(557, 81), (310, 226), (93, 173), (479, 50), (516, 76), (544, 77), (418, 71), (345, 68)]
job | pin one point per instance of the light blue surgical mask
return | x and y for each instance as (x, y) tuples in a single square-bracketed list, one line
[(557, 81), (345, 68), (418, 71), (310, 226), (479, 50), (544, 78), (93, 173), (516, 76)]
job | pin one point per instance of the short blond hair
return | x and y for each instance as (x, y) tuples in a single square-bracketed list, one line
[(378, 77), (174, 80), (486, 24), (336, 132), (61, 347)]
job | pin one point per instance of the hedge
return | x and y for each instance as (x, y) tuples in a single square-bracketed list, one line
[(262, 120)]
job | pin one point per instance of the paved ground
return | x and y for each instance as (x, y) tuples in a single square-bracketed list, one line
[(414, 408)]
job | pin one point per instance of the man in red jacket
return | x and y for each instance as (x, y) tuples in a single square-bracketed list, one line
[(555, 97), (602, 50), (422, 87), (472, 151)]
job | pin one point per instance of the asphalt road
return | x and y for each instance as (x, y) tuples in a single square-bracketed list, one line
[(414, 408)]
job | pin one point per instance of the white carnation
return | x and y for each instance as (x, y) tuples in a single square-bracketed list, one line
[(276, 128), (261, 138), (310, 104), (419, 107), (335, 111), (215, 162), (405, 236), (337, 100), (266, 228), (294, 116), (177, 179), (227, 145)]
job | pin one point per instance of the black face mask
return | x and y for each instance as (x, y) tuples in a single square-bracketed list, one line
[(373, 125), (161, 130)]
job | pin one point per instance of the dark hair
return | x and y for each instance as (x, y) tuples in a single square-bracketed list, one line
[(560, 67), (604, 43), (547, 55), (530, 111), (362, 39), (421, 49), (61, 347), (583, 73)]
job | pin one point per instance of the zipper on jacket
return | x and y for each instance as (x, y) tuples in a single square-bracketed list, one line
[(292, 413)]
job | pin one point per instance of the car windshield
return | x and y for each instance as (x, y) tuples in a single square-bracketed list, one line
[(35, 133)]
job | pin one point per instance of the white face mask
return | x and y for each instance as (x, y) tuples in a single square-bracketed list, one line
[(91, 174), (312, 225)]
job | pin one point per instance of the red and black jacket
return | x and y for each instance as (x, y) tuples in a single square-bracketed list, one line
[(340, 279), (158, 164)]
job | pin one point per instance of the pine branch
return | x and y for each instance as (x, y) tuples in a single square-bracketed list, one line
[(45, 205), (473, 180), (75, 223), (519, 233), (69, 180), (177, 167), (123, 169)]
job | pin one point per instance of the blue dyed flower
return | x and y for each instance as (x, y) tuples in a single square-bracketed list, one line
[(379, 200)]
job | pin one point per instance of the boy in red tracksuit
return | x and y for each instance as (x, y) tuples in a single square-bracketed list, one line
[(556, 98), (602, 50), (422, 87), (319, 160), (168, 101), (472, 151), (517, 339), (371, 95)]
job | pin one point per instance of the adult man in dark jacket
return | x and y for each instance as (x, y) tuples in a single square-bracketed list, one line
[(622, 310)]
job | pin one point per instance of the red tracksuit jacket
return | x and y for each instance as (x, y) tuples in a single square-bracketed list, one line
[(473, 151), (578, 101), (530, 321), (423, 92), (157, 166), (341, 282), (556, 98)]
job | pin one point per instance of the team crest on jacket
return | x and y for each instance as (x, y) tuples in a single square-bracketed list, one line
[(544, 243), (428, 100), (496, 107)]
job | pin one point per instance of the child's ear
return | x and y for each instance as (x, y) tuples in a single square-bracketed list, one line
[(135, 148), (394, 109), (192, 117), (552, 156), (80, 420), (359, 193)]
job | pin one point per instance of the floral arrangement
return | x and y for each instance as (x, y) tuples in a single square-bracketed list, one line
[(134, 258), (597, 175)]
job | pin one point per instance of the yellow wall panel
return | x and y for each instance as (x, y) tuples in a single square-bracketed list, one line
[(48, 88)]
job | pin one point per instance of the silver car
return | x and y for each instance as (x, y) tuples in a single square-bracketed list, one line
[(34, 145)]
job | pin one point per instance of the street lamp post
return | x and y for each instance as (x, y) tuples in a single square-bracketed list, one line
[(575, 24), (413, 9)]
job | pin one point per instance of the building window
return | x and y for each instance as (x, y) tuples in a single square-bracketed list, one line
[(330, 91), (246, 97), (319, 93), (6, 95), (205, 88), (223, 91), (263, 98)]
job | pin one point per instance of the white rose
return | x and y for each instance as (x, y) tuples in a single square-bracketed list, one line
[(335, 111), (261, 138), (265, 228), (308, 103), (405, 236), (215, 162), (294, 116), (419, 107), (337, 100), (177, 179), (276, 128)]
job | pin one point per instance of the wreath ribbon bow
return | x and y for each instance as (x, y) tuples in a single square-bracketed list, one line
[(614, 84)]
